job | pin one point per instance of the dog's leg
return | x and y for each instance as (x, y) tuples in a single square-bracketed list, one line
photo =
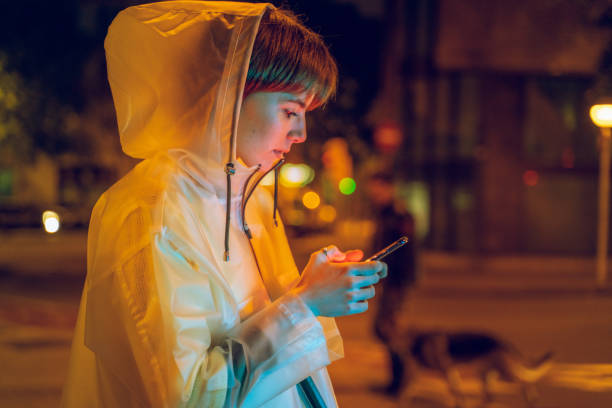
[(406, 396), (530, 393), (409, 379), (487, 376), (453, 378), (454, 381)]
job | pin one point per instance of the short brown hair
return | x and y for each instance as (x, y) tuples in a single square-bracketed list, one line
[(289, 57)]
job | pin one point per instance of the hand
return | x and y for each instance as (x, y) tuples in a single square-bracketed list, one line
[(334, 283)]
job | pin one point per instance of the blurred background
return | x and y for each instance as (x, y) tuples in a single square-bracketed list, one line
[(474, 113)]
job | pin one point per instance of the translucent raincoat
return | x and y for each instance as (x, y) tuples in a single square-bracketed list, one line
[(164, 320)]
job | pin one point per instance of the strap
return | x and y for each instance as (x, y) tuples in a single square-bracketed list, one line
[(230, 170), (310, 395)]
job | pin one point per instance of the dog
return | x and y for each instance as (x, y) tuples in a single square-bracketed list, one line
[(446, 352)]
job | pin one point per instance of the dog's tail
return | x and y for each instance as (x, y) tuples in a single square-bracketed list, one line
[(528, 372)]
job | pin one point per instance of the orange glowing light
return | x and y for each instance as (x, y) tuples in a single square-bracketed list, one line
[(327, 213), (388, 136), (311, 200), (601, 115), (530, 178)]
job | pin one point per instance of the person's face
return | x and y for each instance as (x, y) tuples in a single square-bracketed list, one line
[(270, 123)]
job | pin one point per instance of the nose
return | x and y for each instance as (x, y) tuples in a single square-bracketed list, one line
[(298, 135)]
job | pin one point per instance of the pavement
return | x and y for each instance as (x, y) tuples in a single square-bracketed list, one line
[(62, 256), (537, 303)]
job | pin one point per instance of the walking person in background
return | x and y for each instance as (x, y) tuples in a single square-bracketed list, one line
[(192, 297), (390, 225)]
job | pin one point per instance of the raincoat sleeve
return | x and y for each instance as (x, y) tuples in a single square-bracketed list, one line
[(183, 344)]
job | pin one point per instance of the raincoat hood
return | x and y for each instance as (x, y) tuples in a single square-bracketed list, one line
[(177, 71)]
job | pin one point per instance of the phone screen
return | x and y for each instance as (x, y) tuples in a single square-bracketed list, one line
[(388, 249)]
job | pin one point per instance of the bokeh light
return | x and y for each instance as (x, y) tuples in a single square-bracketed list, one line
[(347, 186), (327, 213), (296, 175), (601, 115), (530, 178), (51, 221), (311, 200), (295, 217)]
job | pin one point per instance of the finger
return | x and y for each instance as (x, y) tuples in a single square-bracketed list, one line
[(365, 268), (354, 255), (336, 255), (384, 271), (328, 253), (357, 307), (358, 282), (361, 294)]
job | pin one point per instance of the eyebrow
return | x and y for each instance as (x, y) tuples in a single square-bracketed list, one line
[(294, 100)]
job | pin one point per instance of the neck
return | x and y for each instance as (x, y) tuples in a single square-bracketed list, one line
[(211, 176)]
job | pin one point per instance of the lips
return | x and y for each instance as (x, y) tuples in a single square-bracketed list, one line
[(280, 153)]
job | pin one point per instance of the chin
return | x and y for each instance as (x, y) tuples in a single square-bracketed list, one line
[(265, 166)]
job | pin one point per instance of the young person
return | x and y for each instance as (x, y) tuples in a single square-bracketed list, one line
[(192, 297)]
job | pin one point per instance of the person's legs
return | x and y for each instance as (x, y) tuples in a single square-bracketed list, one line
[(385, 328), (397, 373)]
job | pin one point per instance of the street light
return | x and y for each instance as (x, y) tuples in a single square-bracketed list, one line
[(51, 221), (601, 115)]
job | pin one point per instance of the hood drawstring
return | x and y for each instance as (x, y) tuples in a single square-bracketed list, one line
[(230, 170), (248, 194), (245, 197), (276, 171)]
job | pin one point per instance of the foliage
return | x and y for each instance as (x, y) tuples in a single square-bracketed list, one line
[(44, 49), (30, 120)]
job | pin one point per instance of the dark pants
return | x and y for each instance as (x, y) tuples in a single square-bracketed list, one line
[(385, 327)]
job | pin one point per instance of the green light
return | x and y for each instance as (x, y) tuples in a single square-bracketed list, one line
[(347, 186)]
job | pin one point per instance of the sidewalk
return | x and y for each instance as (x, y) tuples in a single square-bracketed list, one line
[(536, 302), (62, 256), (34, 252), (457, 274), (521, 275)]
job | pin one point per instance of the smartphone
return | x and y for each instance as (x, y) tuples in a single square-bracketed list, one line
[(388, 249)]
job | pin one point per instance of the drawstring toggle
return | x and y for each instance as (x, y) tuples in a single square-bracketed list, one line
[(230, 170)]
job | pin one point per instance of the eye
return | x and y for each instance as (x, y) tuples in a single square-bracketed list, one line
[(290, 113)]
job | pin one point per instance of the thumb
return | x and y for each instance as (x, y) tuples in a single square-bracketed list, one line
[(354, 255)]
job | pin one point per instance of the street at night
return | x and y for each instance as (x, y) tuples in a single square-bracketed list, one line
[(572, 319), (181, 155)]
